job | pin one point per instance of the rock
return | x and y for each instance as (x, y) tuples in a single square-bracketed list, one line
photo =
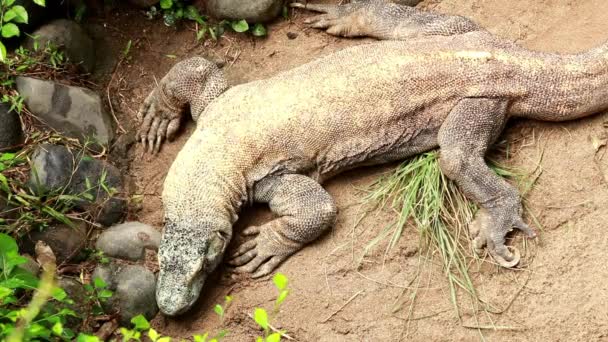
[(254, 11), (128, 240), (73, 111), (134, 290), (144, 3), (68, 37), (292, 35), (97, 183), (11, 133), (31, 265), (65, 242)]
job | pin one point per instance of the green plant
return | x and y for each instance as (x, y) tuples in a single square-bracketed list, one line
[(97, 293), (43, 318), (141, 327), (261, 317), (174, 11), (10, 16)]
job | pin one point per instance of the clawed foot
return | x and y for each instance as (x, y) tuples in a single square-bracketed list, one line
[(486, 231), (339, 20), (160, 121), (263, 253)]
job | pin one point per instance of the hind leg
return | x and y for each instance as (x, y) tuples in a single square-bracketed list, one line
[(383, 20)]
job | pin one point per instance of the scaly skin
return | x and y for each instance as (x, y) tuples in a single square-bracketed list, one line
[(275, 140)]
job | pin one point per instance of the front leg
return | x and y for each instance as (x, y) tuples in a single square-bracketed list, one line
[(384, 20), (304, 209), (470, 128), (194, 82)]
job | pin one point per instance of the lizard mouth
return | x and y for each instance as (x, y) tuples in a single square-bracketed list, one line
[(177, 297)]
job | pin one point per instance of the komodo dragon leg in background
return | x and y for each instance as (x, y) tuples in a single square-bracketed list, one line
[(385, 21), (194, 82), (469, 130)]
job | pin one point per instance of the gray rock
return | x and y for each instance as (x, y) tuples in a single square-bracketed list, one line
[(66, 242), (53, 170), (73, 111), (128, 240), (144, 3), (68, 37), (134, 289), (31, 265), (254, 11), (11, 133)]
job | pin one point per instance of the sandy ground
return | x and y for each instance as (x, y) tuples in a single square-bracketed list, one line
[(562, 294)]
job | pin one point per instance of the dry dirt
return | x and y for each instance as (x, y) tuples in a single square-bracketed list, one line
[(562, 294)]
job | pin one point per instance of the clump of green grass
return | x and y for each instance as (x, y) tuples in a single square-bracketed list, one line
[(418, 191)]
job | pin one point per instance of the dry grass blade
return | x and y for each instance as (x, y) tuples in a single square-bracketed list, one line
[(420, 194)]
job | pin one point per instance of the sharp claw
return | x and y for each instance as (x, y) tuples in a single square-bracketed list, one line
[(514, 255), (244, 259), (252, 230), (159, 141), (244, 248), (297, 5)]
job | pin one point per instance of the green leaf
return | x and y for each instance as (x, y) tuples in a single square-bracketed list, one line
[(259, 339), (99, 283), (282, 297), (57, 329), (10, 30), (4, 183), (258, 30), (40, 2), (166, 4), (274, 337), (2, 52), (192, 13), (227, 301), (7, 3), (153, 335), (5, 292), (201, 338), (59, 294), (280, 281), (7, 156), (105, 294), (164, 339), (140, 322), (17, 14), (86, 338), (261, 318), (218, 310), (7, 244), (240, 26)]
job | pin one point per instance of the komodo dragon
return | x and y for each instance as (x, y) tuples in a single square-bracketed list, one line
[(275, 140)]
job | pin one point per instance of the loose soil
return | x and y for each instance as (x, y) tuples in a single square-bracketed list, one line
[(560, 295)]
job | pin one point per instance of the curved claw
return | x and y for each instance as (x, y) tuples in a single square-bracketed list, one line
[(481, 230), (159, 123), (262, 254), (515, 257)]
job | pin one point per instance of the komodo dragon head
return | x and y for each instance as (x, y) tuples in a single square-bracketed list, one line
[(186, 257)]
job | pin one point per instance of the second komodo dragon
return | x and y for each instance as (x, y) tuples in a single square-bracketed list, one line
[(448, 84)]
